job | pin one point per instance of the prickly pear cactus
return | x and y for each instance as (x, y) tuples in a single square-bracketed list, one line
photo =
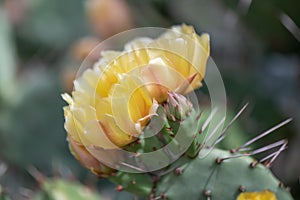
[(216, 178), (128, 120), (222, 174)]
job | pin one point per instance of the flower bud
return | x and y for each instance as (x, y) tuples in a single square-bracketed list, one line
[(178, 107)]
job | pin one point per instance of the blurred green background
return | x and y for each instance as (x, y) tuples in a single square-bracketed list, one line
[(256, 45)]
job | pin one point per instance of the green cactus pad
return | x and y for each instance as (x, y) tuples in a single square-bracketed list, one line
[(139, 184), (143, 182), (207, 179)]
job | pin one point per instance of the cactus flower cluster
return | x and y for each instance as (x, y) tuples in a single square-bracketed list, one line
[(140, 91), (122, 91)]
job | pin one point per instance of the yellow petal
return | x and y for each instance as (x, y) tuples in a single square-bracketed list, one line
[(105, 82), (94, 135), (70, 125), (130, 101), (103, 107), (114, 133), (87, 160)]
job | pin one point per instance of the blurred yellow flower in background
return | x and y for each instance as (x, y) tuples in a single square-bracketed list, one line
[(109, 17), (113, 102)]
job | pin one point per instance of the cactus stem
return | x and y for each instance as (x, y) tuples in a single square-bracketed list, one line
[(265, 133)]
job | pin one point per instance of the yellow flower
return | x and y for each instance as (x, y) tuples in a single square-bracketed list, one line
[(173, 62), (113, 102), (262, 195), (126, 108)]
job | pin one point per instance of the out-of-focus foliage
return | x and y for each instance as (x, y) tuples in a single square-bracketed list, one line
[(54, 189), (7, 60), (272, 17), (3, 195), (49, 26), (256, 45)]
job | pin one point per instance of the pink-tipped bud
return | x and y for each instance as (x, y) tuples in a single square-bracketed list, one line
[(178, 107)]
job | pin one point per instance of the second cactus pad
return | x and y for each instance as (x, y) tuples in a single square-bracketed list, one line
[(214, 178)]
